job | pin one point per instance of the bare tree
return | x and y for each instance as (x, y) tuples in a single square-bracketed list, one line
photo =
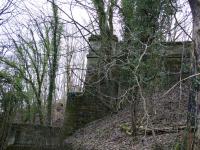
[(6, 10), (57, 29)]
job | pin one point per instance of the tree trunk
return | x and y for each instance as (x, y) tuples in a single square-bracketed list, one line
[(56, 42), (50, 97), (134, 102), (194, 103), (39, 105)]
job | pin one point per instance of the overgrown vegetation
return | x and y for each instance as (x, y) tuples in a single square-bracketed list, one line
[(41, 51)]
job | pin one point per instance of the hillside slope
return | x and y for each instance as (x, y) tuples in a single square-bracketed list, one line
[(167, 112)]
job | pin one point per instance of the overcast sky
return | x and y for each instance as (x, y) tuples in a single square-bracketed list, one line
[(24, 8)]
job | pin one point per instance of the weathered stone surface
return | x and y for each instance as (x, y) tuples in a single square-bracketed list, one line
[(104, 84), (58, 114), (177, 49), (33, 135), (82, 109)]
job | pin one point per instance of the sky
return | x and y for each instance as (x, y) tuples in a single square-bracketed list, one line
[(69, 9)]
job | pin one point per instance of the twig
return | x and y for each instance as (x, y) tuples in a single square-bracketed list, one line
[(191, 76)]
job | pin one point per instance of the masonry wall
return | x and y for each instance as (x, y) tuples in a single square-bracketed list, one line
[(81, 109), (33, 137), (90, 105)]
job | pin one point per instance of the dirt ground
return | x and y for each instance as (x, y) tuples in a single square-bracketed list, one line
[(164, 112)]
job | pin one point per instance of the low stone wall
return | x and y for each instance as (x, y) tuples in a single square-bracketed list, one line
[(36, 136), (82, 109)]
